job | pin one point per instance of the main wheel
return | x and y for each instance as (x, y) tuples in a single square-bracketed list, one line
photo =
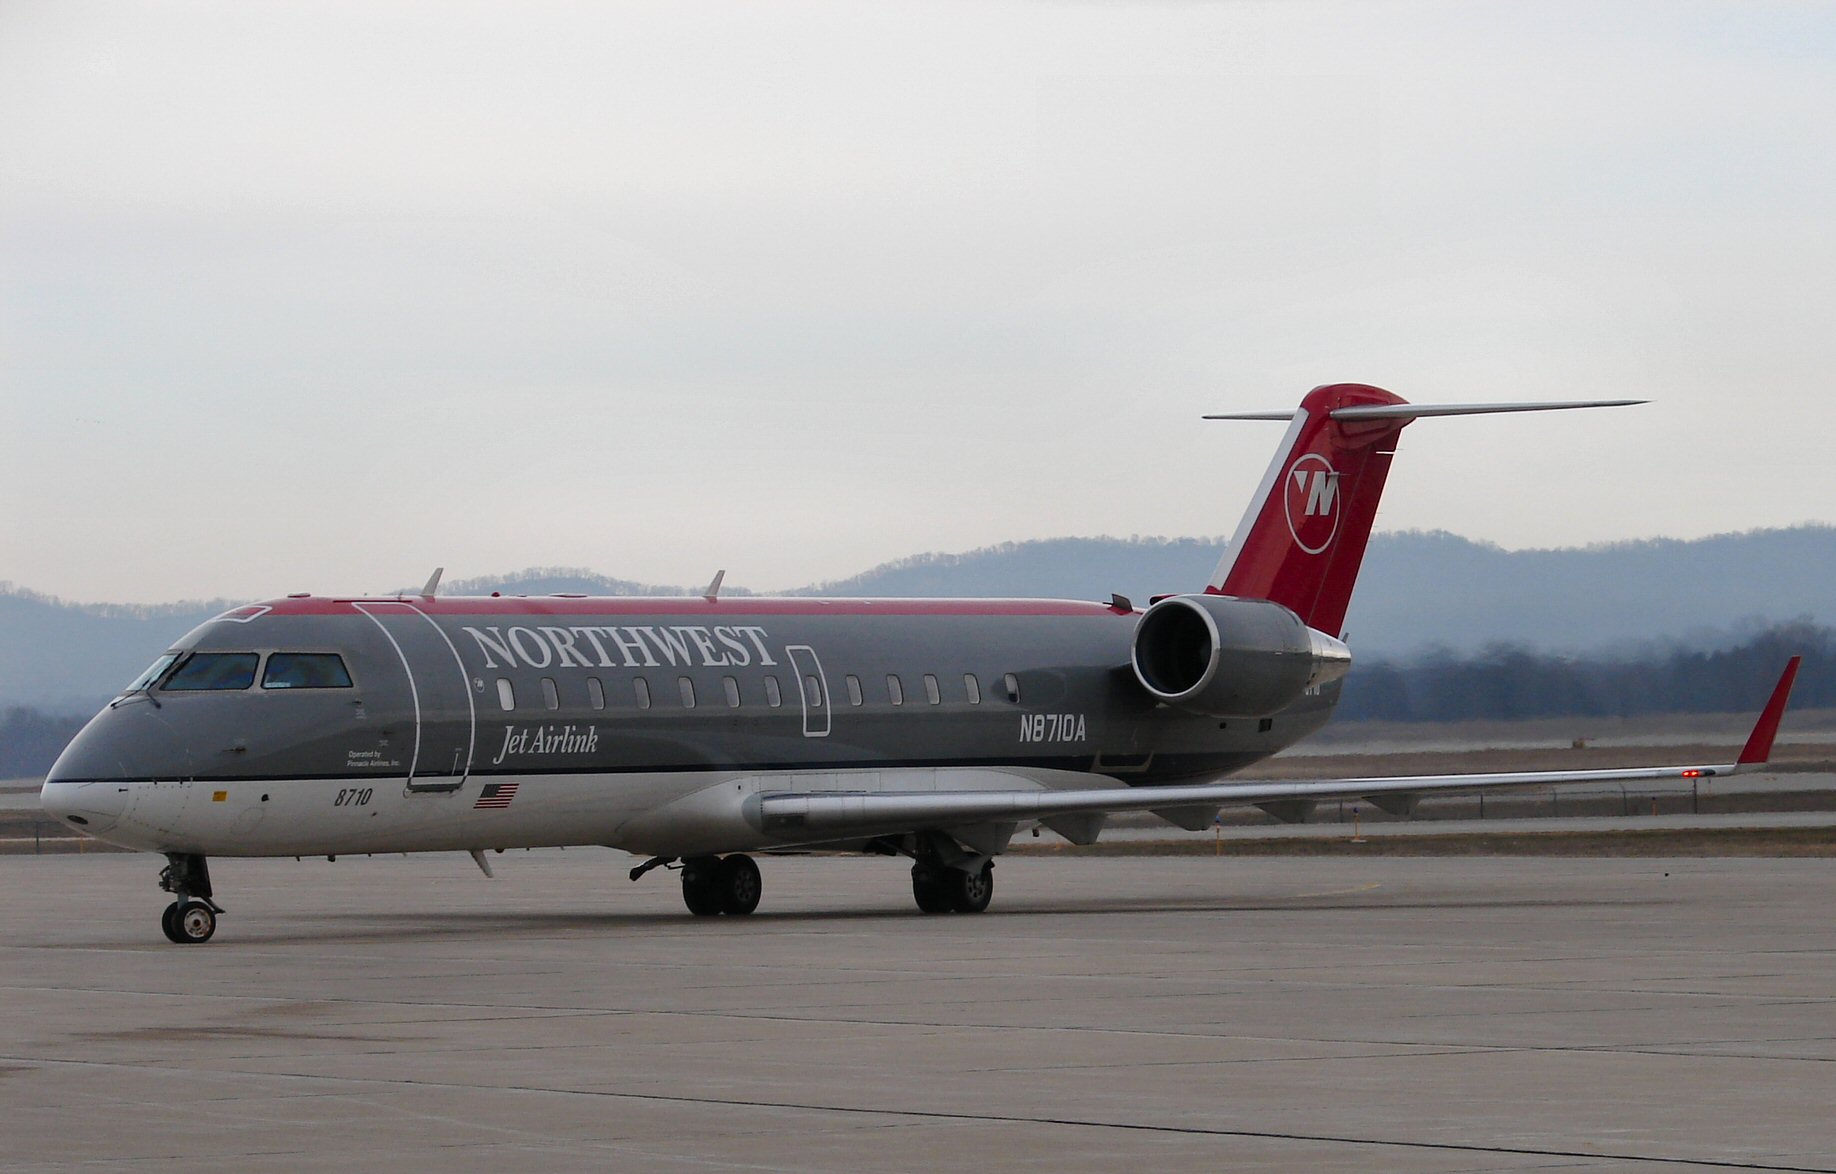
[(931, 889), (701, 888), (740, 885), (190, 924), (970, 892)]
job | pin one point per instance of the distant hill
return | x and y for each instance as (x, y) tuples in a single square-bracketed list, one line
[(69, 658), (1426, 588), (1072, 568), (564, 580), (1419, 592)]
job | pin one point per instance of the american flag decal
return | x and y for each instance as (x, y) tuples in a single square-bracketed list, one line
[(495, 795)]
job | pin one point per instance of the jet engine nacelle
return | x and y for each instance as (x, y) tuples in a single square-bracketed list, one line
[(1229, 657)]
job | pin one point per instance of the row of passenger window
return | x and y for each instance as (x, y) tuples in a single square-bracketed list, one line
[(774, 693)]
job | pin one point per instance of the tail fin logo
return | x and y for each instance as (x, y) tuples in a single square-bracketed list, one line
[(1311, 495)]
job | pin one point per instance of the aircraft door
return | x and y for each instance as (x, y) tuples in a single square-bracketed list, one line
[(445, 714), (812, 689)]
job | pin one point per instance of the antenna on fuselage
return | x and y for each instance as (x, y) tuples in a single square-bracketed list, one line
[(713, 591), (433, 583)]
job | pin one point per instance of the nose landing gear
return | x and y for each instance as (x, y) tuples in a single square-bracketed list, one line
[(192, 918)]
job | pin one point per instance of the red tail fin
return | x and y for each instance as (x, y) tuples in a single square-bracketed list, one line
[(1303, 537)]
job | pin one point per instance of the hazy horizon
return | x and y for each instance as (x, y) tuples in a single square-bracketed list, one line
[(296, 296), (735, 580)]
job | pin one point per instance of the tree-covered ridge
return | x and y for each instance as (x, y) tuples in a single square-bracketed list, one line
[(1507, 681), (1418, 590), (30, 741)]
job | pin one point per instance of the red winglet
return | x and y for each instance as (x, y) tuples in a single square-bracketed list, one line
[(1759, 743)]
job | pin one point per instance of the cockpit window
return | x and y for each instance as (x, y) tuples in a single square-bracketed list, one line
[(152, 674), (305, 670), (212, 670)]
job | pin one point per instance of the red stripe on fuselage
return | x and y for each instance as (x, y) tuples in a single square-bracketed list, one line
[(635, 605)]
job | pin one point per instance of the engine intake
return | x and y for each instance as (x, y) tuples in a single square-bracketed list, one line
[(1229, 657)]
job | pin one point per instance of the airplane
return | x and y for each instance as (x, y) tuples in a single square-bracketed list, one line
[(698, 731)]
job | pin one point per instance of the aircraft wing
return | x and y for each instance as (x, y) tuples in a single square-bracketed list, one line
[(841, 814)]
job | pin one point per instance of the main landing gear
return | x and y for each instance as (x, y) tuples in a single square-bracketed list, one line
[(945, 878), (941, 888), (192, 918), (721, 884), (714, 884)]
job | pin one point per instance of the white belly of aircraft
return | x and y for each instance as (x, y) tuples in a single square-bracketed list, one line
[(673, 813)]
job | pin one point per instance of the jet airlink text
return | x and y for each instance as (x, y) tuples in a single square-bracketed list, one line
[(687, 645), (568, 739)]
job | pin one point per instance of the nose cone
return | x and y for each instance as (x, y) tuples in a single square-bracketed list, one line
[(88, 787), (93, 807)]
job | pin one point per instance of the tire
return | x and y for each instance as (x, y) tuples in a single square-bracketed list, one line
[(701, 885), (193, 924), (168, 922), (930, 888), (740, 885), (970, 892)]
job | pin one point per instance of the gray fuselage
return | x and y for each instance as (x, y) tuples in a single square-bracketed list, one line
[(453, 696)]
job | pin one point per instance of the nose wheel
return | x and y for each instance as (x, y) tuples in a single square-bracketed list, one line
[(192, 919), (190, 923)]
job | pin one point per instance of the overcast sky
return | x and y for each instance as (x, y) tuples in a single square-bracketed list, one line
[(318, 296)]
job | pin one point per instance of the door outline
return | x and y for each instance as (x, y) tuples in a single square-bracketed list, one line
[(807, 664), (447, 782)]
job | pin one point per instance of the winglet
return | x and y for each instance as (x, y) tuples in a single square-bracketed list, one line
[(433, 583), (1759, 743), (713, 589)]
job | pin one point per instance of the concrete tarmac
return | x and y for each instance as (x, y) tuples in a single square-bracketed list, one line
[(405, 1014)]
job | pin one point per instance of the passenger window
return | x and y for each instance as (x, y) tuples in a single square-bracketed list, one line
[(774, 697), (687, 688), (641, 687), (974, 688), (596, 693), (213, 671), (931, 692), (854, 690), (812, 691), (305, 670), (1012, 684), (732, 688), (506, 693), (551, 696), (895, 692)]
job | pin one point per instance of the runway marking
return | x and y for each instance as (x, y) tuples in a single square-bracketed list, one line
[(1599, 1155)]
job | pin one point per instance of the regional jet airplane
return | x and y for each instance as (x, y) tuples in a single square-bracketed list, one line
[(696, 731)]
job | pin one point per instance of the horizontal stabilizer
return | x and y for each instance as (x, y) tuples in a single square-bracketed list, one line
[(1417, 411)]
